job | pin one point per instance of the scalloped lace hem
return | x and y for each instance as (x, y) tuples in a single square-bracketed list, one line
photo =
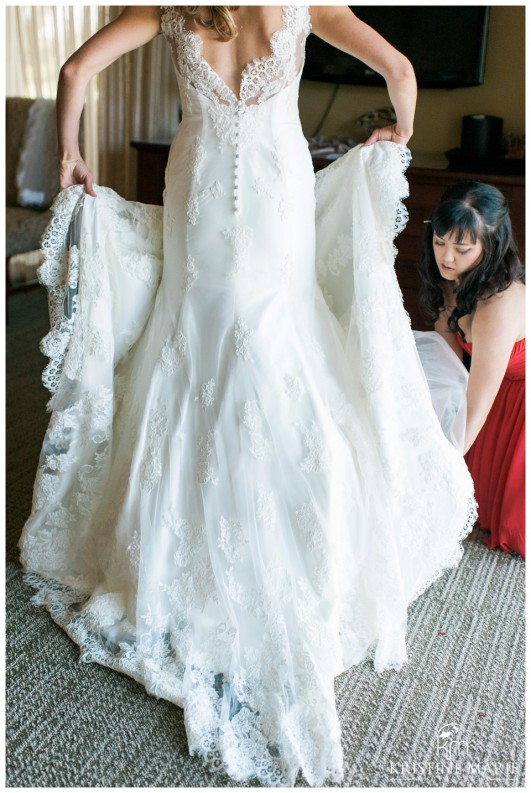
[(98, 645)]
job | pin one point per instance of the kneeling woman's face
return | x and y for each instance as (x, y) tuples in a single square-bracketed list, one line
[(455, 258)]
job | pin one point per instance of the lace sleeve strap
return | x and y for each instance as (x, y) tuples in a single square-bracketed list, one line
[(307, 20)]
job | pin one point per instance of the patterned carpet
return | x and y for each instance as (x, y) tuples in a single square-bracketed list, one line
[(72, 725)]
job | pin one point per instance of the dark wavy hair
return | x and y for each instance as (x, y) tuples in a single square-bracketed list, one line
[(480, 211)]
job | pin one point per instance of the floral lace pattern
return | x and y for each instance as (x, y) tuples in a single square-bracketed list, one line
[(72, 337), (191, 273), (231, 539), (254, 420), (151, 468), (242, 339), (205, 471), (207, 393), (317, 457), (173, 353), (215, 190), (241, 238)]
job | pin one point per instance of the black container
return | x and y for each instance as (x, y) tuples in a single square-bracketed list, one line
[(481, 136)]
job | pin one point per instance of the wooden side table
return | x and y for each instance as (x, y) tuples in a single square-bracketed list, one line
[(151, 168)]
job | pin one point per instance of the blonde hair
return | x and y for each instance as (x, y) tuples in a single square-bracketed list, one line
[(220, 19)]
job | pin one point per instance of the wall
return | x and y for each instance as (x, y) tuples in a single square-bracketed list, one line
[(439, 112)]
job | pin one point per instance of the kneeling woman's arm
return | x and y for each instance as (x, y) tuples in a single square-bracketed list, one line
[(495, 328)]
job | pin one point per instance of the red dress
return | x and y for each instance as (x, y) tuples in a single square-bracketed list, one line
[(496, 459)]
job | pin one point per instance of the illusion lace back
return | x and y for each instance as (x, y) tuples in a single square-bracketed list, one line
[(243, 484), (261, 78)]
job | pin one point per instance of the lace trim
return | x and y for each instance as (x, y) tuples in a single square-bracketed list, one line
[(456, 554), (248, 755), (60, 274), (400, 216), (74, 338)]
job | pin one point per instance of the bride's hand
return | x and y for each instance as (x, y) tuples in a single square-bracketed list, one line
[(75, 172), (389, 133)]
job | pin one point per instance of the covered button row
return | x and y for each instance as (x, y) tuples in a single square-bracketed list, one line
[(237, 162)]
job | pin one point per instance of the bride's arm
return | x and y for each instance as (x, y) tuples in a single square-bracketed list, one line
[(134, 27), (338, 26)]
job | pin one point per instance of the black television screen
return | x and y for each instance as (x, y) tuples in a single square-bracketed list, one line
[(446, 45)]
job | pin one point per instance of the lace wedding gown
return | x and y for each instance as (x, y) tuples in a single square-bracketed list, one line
[(243, 484)]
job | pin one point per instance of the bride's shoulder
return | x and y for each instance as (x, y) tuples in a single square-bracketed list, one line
[(328, 15)]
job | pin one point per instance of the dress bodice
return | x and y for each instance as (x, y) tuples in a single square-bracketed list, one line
[(516, 366), (231, 148), (261, 78)]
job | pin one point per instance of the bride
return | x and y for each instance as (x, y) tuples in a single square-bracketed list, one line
[(243, 484)]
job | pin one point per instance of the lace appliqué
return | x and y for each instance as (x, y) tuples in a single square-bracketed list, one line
[(151, 468), (143, 267), (191, 590), (133, 552), (173, 353), (284, 208), (192, 209), (266, 510), (254, 420), (215, 190), (205, 470), (190, 538), (260, 187), (286, 269), (235, 588), (191, 273), (241, 238), (197, 159), (338, 258), (317, 458), (310, 527), (242, 339), (294, 387), (50, 548), (81, 431), (239, 130), (231, 539), (207, 393)]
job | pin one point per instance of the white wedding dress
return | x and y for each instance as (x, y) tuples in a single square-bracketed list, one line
[(243, 484)]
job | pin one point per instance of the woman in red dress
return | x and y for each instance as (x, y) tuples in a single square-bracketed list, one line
[(473, 291)]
